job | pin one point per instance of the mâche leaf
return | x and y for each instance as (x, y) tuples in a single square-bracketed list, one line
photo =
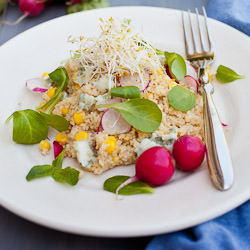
[(181, 98), (29, 127), (225, 74), (137, 187), (142, 114), (40, 171), (56, 121), (127, 92), (176, 65), (61, 78), (68, 175), (87, 5), (57, 163)]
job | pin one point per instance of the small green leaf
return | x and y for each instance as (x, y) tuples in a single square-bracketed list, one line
[(181, 98), (137, 187), (87, 5), (40, 171), (68, 175), (2, 5), (176, 65), (142, 114), (225, 74), (29, 127), (57, 163), (56, 121), (127, 92), (61, 78)]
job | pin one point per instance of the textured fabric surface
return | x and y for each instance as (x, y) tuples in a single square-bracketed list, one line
[(228, 232), (232, 230), (233, 12)]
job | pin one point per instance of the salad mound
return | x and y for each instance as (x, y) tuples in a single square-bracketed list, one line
[(99, 137)]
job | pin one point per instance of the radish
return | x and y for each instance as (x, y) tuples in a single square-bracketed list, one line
[(37, 85), (31, 7), (190, 83), (224, 124), (189, 152), (113, 121), (191, 71), (107, 101), (135, 80), (154, 166), (58, 148)]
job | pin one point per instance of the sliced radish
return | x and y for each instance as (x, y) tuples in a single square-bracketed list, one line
[(37, 85), (224, 124), (191, 71), (135, 80), (58, 148), (190, 83), (113, 121), (108, 101)]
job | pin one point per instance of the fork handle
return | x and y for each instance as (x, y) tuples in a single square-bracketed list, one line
[(217, 151)]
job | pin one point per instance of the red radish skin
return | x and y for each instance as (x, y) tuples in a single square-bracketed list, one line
[(31, 7), (189, 152), (154, 166), (190, 83), (58, 148)]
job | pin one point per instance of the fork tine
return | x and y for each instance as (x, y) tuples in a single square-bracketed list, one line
[(199, 25), (210, 42), (194, 38), (187, 47)]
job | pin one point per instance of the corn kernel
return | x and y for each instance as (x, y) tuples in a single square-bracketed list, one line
[(44, 145), (51, 92), (148, 94), (77, 86), (160, 71), (65, 111), (80, 136), (78, 118), (111, 146), (112, 138), (45, 74), (172, 84), (210, 76), (61, 138)]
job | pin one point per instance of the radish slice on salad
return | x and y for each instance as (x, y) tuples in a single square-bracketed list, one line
[(37, 85), (191, 71), (135, 80), (113, 121), (108, 101), (190, 83), (58, 148)]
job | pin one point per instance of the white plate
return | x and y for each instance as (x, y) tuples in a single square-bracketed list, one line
[(86, 208)]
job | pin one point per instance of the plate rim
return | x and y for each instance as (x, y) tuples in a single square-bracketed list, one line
[(61, 227)]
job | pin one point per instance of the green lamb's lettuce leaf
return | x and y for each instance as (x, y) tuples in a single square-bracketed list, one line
[(176, 65), (56, 121), (225, 74), (181, 98), (137, 187), (61, 78), (57, 163), (87, 5), (142, 114), (68, 175), (127, 92), (40, 171), (29, 127)]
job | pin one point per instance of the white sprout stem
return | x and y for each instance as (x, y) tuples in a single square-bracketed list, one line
[(125, 183)]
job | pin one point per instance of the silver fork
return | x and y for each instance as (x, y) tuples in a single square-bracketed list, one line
[(217, 151)]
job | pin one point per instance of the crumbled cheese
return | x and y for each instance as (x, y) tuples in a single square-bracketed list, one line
[(104, 83), (86, 101), (166, 140), (85, 154)]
